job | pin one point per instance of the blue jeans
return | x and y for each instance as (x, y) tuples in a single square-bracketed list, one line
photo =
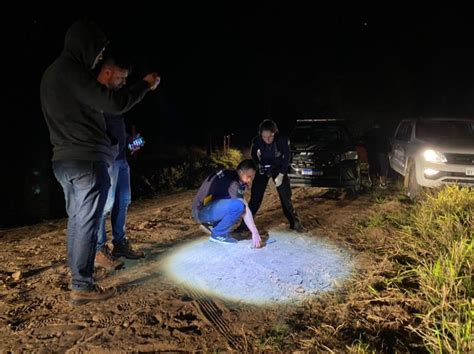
[(85, 185), (223, 214), (118, 200)]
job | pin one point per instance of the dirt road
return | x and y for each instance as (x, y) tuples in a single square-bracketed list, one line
[(151, 311)]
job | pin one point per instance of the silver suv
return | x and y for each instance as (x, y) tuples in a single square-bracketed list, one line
[(435, 151)]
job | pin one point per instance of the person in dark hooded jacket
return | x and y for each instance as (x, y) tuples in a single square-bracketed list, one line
[(73, 103), (271, 152)]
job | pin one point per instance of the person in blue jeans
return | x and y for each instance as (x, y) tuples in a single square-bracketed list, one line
[(72, 102), (113, 74), (220, 202)]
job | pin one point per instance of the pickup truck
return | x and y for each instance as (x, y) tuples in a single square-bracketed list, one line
[(430, 152)]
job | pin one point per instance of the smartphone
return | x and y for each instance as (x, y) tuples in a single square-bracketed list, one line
[(138, 142)]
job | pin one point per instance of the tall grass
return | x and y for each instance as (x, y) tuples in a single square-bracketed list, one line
[(437, 238)]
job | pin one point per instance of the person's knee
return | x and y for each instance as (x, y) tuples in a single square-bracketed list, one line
[(125, 202), (237, 206)]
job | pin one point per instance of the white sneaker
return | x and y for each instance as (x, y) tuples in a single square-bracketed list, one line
[(227, 239)]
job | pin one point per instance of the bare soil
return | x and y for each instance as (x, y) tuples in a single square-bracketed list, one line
[(152, 313)]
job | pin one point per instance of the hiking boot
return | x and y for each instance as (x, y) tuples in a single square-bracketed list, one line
[(98, 293), (99, 274), (104, 259), (124, 249), (222, 239)]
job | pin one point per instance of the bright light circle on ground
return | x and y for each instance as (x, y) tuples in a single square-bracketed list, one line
[(291, 269)]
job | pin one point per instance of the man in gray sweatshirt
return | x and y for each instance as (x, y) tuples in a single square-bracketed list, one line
[(73, 103)]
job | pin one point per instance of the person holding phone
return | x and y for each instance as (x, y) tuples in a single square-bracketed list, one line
[(113, 74)]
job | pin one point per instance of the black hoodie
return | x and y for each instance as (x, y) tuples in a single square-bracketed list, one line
[(73, 101)]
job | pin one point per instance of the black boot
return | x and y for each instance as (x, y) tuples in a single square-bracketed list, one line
[(298, 227)]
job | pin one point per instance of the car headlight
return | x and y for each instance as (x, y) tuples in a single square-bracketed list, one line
[(349, 155), (434, 156)]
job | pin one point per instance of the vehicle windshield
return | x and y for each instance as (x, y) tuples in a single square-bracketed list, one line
[(446, 129), (320, 134)]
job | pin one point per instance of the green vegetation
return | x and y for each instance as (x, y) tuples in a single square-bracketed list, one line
[(438, 241), (179, 169)]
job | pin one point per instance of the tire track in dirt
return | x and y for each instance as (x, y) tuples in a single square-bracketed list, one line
[(209, 311), (213, 314)]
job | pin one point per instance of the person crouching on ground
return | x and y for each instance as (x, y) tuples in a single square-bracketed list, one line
[(220, 203)]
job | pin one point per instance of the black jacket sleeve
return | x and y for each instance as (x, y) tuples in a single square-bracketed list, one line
[(284, 145), (100, 98)]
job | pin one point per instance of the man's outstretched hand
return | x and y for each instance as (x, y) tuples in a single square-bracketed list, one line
[(153, 80), (256, 240)]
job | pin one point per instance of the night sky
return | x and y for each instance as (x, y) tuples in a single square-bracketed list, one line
[(225, 68)]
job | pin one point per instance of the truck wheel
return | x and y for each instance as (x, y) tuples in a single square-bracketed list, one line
[(357, 187)]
